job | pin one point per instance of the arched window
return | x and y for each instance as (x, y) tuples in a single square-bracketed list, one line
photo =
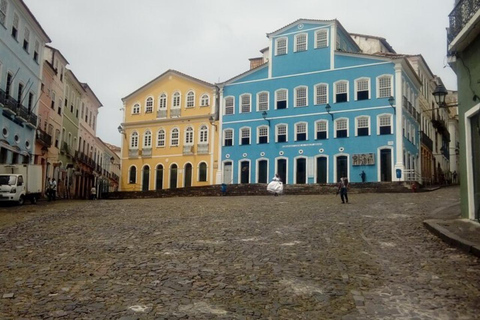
[(203, 134), (321, 129), (147, 139), (161, 138), (228, 137), (174, 137), (205, 101), (134, 140), (262, 101), (190, 99), (321, 93), (162, 102), (202, 172), (176, 100), (262, 134), (189, 136), (136, 109), (132, 176), (245, 100), (229, 105), (149, 105), (301, 131)]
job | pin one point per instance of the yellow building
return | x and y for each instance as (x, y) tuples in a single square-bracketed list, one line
[(170, 136)]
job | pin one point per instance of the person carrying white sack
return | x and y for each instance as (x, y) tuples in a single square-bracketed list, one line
[(275, 186)]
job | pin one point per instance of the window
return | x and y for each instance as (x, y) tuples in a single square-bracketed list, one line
[(301, 97), (362, 88), (301, 42), (57, 136), (204, 100), (161, 138), (341, 91), (136, 109), (262, 101), (132, 179), (174, 137), (384, 86), (301, 131), (147, 139), (189, 136), (321, 129), (8, 85), (15, 26), (281, 99), (202, 172), (26, 39), (321, 91), (281, 133), (245, 103), (363, 126), (341, 128), (3, 11), (162, 102), (176, 100), (149, 105), (244, 136), (229, 105), (134, 140), (321, 39), (203, 134), (228, 137), (281, 46), (35, 56), (52, 103), (190, 99), (262, 134)]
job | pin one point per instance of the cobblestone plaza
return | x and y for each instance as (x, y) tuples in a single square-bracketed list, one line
[(256, 257)]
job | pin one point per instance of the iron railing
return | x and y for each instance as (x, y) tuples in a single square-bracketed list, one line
[(460, 16)]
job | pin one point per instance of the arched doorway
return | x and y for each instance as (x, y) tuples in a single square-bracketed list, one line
[(173, 176), (159, 178), (187, 180), (145, 178)]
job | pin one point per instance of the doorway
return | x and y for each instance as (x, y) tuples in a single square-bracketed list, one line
[(386, 165), (173, 176), (322, 170), (145, 178), (342, 167), (262, 171), (301, 171), (227, 172), (187, 180), (244, 172)]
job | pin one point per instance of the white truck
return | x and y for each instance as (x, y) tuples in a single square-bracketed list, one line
[(20, 182)]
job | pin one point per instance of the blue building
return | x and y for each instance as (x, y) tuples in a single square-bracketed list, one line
[(317, 107), (22, 41)]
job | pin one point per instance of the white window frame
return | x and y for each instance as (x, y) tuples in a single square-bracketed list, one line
[(172, 137), (316, 128), (205, 100), (3, 12), (249, 136), (232, 107), (263, 106), (176, 96), (188, 136), (267, 135), (296, 96), (160, 139), (225, 137), (325, 32), (206, 171), (368, 87), (297, 36), (149, 108), (147, 139), (136, 108), (368, 125), (190, 99), (335, 87), (335, 127), (286, 97), (286, 131), (318, 96), (242, 105), (379, 78), (134, 140), (203, 134), (162, 101), (297, 124), (277, 46)]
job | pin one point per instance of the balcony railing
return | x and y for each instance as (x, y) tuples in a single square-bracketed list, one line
[(162, 113), (425, 139), (12, 107), (202, 148), (188, 149), (132, 153), (44, 138), (146, 152), (460, 16), (175, 112)]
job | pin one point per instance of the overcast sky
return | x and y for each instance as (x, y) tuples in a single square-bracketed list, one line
[(116, 46)]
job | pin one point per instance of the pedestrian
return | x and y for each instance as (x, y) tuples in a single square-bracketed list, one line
[(54, 189), (93, 193), (276, 185), (363, 176), (48, 191), (454, 177), (223, 189), (343, 189)]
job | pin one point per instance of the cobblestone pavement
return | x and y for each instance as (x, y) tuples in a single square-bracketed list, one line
[(258, 257)]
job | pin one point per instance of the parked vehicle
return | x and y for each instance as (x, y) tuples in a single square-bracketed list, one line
[(21, 182)]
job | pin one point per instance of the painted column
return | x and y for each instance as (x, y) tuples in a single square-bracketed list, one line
[(452, 129), (399, 165)]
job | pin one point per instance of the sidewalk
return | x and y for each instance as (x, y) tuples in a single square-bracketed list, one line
[(461, 233)]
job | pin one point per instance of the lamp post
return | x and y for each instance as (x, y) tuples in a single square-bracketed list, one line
[(264, 116), (391, 101), (211, 119), (439, 94), (328, 108)]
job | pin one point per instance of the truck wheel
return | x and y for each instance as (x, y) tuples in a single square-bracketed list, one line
[(33, 200), (21, 200)]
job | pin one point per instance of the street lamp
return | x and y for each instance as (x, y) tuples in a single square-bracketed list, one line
[(439, 94), (264, 115), (391, 101), (212, 122), (328, 108)]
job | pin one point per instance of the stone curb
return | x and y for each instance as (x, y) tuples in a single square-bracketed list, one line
[(452, 239)]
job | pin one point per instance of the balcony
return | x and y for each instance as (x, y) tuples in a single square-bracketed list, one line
[(146, 152), (460, 16), (162, 113), (175, 113), (426, 140), (22, 113), (202, 148), (188, 150), (65, 148), (133, 153), (44, 138), (8, 103)]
